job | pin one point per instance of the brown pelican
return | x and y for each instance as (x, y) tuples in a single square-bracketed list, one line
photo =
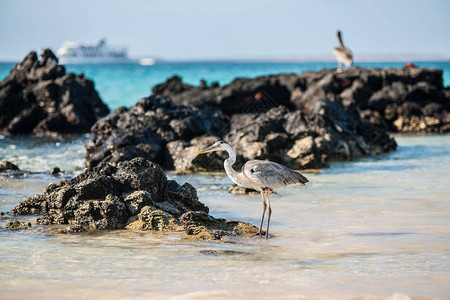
[(343, 55), (263, 176)]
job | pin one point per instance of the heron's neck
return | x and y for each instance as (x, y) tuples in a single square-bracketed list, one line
[(228, 164)]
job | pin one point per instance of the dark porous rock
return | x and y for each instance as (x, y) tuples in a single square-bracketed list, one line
[(16, 225), (75, 229), (373, 91), (307, 139), (55, 171), (150, 218), (185, 158), (8, 169), (173, 85), (145, 129), (110, 197), (38, 97), (240, 190), (201, 226), (302, 121), (237, 97), (30, 206)]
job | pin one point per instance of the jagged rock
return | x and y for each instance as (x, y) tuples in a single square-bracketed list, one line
[(150, 218), (201, 226), (106, 197), (145, 129), (38, 97), (309, 140), (373, 91), (302, 121), (236, 97), (185, 158), (135, 195), (30, 206)]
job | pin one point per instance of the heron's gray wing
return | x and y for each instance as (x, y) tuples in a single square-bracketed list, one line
[(271, 175)]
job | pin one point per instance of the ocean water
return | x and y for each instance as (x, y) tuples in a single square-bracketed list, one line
[(375, 228), (124, 84), (372, 228)]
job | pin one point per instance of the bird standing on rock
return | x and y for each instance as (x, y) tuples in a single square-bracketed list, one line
[(263, 176), (343, 55)]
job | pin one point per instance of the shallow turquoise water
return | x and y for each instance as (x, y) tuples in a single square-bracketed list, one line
[(372, 227), (125, 84)]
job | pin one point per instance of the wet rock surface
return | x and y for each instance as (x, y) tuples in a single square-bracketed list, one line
[(9, 169), (7, 165), (17, 225), (302, 121), (112, 197), (240, 190), (202, 226), (38, 97), (146, 129)]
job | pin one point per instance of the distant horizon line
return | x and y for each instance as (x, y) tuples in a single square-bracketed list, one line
[(363, 58)]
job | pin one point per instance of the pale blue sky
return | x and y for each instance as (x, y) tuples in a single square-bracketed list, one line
[(228, 29)]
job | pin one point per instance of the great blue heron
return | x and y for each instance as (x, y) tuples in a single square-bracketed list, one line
[(263, 176), (343, 55)]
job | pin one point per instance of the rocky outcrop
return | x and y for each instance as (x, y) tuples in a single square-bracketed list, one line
[(236, 97), (38, 97), (134, 194), (406, 99), (201, 226), (18, 225), (318, 131), (302, 121), (307, 140), (299, 139), (154, 129)]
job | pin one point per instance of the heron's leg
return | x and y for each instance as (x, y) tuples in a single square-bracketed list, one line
[(264, 211), (269, 213)]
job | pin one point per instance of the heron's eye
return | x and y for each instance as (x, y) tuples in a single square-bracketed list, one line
[(219, 144)]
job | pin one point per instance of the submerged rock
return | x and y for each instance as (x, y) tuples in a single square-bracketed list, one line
[(201, 226), (240, 190), (16, 225), (7, 165), (38, 97)]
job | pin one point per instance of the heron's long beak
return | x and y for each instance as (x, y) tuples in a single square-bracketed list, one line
[(209, 149)]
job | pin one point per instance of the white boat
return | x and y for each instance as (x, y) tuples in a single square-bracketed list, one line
[(88, 53)]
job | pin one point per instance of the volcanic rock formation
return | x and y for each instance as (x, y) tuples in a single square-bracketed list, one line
[(38, 97)]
